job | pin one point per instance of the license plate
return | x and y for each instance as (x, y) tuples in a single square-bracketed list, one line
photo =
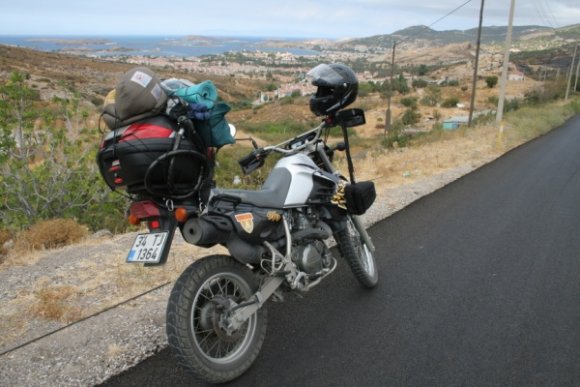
[(148, 248)]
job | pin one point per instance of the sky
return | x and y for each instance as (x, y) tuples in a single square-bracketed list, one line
[(269, 18)]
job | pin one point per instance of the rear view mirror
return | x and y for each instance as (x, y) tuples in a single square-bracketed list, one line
[(351, 117)]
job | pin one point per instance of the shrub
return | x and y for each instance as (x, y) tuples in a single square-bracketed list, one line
[(450, 102), (432, 96), (491, 81), (492, 100), (419, 83), (365, 88), (410, 102), (410, 117), (52, 303), (511, 104), (395, 137), (49, 234)]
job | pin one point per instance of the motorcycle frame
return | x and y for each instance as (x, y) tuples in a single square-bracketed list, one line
[(239, 314)]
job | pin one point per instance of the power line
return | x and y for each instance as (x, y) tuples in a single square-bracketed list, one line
[(449, 13), (403, 39), (550, 13), (543, 18)]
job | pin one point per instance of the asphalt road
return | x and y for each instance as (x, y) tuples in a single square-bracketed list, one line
[(480, 285)]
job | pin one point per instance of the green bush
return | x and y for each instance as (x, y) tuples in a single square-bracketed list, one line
[(410, 117), (491, 81), (410, 102), (432, 96), (419, 83), (395, 137), (450, 102)]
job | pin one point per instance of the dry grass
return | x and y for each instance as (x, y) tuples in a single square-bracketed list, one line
[(53, 303), (394, 167), (5, 236), (50, 234)]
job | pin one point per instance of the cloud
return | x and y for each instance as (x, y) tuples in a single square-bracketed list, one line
[(300, 18)]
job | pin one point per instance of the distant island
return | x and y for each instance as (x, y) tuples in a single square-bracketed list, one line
[(72, 41)]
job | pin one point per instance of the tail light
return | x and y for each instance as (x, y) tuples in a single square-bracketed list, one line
[(154, 224), (140, 211)]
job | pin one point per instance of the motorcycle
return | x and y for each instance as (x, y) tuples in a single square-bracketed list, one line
[(277, 238)]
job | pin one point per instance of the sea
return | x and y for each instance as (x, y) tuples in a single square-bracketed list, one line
[(178, 46)]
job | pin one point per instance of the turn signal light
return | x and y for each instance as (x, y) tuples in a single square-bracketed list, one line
[(181, 214), (134, 220)]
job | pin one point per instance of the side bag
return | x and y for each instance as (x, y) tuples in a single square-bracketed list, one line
[(359, 197)]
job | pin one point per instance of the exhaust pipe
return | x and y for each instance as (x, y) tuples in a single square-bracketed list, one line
[(207, 230)]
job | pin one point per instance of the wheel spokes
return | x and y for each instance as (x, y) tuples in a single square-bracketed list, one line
[(208, 308)]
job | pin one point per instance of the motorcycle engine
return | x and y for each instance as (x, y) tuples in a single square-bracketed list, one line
[(309, 257), (309, 251)]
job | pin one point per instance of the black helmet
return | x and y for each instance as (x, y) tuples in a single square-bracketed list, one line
[(337, 88)]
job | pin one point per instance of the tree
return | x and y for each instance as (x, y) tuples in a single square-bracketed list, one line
[(400, 84), (47, 170), (491, 81), (17, 117), (432, 96)]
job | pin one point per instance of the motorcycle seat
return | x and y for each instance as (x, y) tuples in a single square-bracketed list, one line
[(271, 195)]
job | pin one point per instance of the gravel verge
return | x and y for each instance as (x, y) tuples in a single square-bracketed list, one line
[(93, 350)]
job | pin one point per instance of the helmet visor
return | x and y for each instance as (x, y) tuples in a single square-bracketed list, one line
[(323, 74)]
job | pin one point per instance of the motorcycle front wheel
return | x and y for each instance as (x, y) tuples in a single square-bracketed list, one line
[(357, 254), (195, 311)]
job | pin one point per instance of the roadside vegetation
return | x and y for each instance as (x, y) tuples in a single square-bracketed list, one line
[(48, 146)]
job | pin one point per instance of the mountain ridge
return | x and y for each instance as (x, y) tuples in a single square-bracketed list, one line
[(490, 35)]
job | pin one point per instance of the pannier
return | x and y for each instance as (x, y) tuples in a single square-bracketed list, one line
[(160, 135), (143, 158)]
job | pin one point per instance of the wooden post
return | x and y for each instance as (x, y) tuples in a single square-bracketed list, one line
[(474, 84), (388, 115), (570, 73), (504, 70)]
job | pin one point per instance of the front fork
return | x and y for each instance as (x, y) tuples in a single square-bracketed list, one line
[(364, 235), (323, 155)]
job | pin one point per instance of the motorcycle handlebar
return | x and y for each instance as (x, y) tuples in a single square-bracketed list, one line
[(296, 144)]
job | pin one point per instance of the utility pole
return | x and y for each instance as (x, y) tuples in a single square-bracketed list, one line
[(388, 116), (474, 84), (570, 73), (576, 79), (504, 70)]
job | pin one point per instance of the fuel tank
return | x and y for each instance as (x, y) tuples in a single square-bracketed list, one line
[(308, 183)]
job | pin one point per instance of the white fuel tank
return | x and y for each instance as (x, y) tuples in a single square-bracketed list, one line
[(307, 180)]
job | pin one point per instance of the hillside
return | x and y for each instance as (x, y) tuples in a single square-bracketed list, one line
[(56, 74), (524, 37)]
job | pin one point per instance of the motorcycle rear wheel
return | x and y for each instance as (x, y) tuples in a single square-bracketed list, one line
[(196, 306), (357, 254)]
